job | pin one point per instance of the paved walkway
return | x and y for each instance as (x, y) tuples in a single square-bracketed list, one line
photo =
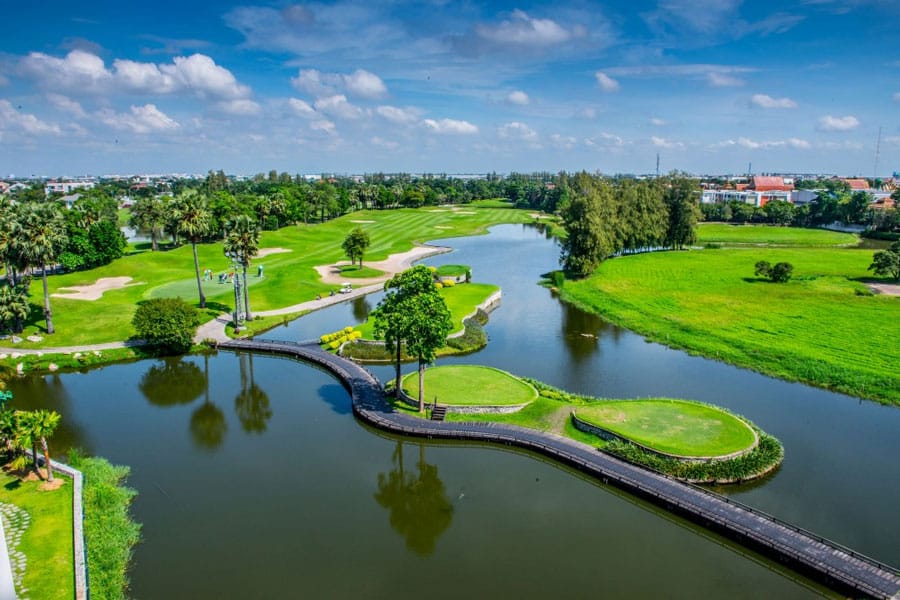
[(837, 566)]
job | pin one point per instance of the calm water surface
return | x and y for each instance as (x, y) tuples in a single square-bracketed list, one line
[(255, 480)]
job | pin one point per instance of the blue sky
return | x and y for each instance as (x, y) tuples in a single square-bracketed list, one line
[(456, 87)]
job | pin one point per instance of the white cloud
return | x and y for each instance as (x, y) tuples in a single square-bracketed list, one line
[(897, 97), (450, 126), (3, 80), (141, 119), (522, 30), (566, 142), (798, 144), (83, 72), (722, 80), (766, 101), (66, 104), (658, 122), (830, 123), (606, 83), (360, 83), (10, 118), (301, 108), (517, 131), (744, 142), (241, 107), (337, 106), (589, 112), (401, 116), (322, 125), (383, 143), (660, 142), (518, 97)]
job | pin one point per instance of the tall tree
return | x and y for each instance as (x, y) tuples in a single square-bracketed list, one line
[(192, 220), (355, 245), (682, 201), (589, 217), (40, 238), (150, 215), (427, 326), (242, 245), (43, 424)]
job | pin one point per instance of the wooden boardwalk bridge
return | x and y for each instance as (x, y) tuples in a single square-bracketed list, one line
[(816, 557)]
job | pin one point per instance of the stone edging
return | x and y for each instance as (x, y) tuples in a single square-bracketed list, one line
[(487, 306), (481, 409), (608, 435)]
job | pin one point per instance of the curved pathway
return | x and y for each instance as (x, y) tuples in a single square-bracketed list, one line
[(812, 555)]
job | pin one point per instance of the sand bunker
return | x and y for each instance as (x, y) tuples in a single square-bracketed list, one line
[(888, 289), (394, 264), (263, 252), (95, 291)]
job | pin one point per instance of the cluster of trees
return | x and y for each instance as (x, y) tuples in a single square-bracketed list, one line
[(21, 430), (886, 263), (777, 273), (166, 323), (844, 206), (604, 217), (413, 316)]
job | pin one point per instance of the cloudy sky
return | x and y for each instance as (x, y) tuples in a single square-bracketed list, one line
[(459, 87)]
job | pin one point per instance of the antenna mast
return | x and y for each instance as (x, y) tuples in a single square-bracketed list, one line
[(657, 165), (877, 153)]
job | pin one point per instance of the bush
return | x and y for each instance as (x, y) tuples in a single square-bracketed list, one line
[(168, 323), (779, 273)]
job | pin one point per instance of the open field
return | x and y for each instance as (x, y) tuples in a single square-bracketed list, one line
[(470, 385), (290, 276), (672, 426), (47, 539), (767, 235), (823, 327)]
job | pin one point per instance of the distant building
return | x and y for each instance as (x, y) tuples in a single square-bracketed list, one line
[(4, 187), (69, 200), (857, 185), (67, 187)]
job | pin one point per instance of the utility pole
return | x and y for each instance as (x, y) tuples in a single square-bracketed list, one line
[(877, 154), (657, 165)]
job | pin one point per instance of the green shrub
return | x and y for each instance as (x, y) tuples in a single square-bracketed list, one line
[(167, 323), (110, 532)]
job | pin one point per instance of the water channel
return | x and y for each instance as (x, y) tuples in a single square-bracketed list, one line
[(255, 481)]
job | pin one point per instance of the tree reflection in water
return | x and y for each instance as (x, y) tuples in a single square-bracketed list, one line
[(361, 308), (208, 425), (171, 382), (419, 508), (251, 404)]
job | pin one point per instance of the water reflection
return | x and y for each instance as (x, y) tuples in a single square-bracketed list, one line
[(361, 308), (419, 508), (208, 424), (252, 403), (172, 381)]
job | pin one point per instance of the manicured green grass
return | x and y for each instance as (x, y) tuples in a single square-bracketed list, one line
[(47, 542), (461, 300), (493, 203), (470, 385), (822, 327), (289, 276), (357, 272), (452, 270), (767, 235), (672, 426)]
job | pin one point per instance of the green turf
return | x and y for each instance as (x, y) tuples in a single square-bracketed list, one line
[(821, 327), (672, 426), (756, 235), (47, 542), (289, 276), (452, 270), (470, 385), (357, 272)]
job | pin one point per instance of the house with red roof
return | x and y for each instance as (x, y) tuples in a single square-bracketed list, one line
[(768, 188)]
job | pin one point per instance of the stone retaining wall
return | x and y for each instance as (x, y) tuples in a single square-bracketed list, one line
[(494, 409)]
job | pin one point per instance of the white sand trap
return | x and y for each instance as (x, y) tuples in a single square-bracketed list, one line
[(392, 265), (360, 221), (888, 289), (263, 252), (539, 216), (438, 210), (95, 291), (465, 212)]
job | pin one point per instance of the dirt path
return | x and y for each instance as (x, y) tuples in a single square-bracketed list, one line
[(392, 265)]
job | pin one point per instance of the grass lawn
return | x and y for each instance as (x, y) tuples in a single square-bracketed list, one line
[(470, 385), (47, 541), (767, 235), (289, 276), (452, 270), (461, 300), (672, 426), (357, 272), (821, 327)]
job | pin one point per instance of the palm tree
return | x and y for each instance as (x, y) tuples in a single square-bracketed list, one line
[(40, 236), (149, 214), (14, 305), (43, 424), (242, 244), (192, 218)]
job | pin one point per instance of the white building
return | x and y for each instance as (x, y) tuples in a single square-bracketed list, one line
[(67, 187)]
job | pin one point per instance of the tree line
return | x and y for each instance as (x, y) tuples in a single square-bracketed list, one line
[(605, 217)]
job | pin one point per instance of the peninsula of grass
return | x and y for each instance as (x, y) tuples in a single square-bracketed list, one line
[(715, 433), (47, 538), (470, 385), (357, 272), (768, 235), (290, 277), (452, 271), (823, 327), (677, 427)]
